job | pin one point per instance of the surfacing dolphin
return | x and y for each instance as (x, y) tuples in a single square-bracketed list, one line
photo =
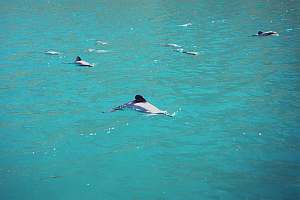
[(81, 62), (142, 105), (194, 53), (172, 45), (267, 33)]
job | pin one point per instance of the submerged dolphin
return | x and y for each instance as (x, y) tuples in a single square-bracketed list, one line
[(194, 53), (267, 33), (101, 42), (172, 45), (51, 52), (81, 62), (140, 104)]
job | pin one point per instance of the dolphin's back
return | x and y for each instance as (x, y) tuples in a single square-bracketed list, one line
[(83, 63)]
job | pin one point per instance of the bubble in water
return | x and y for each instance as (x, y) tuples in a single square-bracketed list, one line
[(109, 130)]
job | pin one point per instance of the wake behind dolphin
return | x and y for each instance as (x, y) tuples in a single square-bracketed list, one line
[(140, 104)]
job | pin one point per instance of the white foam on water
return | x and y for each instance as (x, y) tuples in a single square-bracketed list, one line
[(185, 25), (51, 52)]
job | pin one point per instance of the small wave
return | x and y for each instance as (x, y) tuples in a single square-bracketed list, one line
[(101, 51), (175, 113), (185, 25), (97, 50), (51, 52), (101, 42), (109, 130)]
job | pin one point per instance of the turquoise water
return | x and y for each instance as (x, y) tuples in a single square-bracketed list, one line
[(236, 104)]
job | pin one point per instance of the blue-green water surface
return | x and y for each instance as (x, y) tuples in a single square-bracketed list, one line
[(236, 103)]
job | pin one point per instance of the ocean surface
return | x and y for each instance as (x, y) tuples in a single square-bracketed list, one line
[(236, 105)]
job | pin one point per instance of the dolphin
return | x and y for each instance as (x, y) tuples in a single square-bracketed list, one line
[(194, 53), (81, 62), (267, 33), (172, 45), (141, 105)]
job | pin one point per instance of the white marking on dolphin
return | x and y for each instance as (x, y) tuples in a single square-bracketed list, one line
[(140, 104), (81, 62), (180, 50)]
